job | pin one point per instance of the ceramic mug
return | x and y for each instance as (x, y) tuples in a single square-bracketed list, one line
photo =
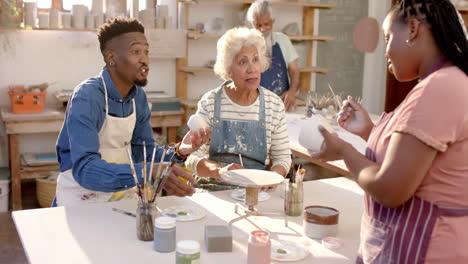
[(310, 136), (320, 221)]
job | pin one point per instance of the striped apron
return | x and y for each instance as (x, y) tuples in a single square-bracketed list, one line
[(398, 235)]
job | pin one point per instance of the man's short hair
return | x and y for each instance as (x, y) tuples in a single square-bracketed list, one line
[(115, 27), (259, 8)]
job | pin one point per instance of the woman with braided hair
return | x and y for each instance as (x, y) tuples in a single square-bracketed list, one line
[(415, 171)]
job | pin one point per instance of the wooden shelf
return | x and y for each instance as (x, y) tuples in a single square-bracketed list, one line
[(302, 4), (196, 35), (314, 70), (311, 38), (463, 9), (50, 29), (197, 69)]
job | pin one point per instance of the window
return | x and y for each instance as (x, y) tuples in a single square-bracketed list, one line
[(62, 4), (67, 4)]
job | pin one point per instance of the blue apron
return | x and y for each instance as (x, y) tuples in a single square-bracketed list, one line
[(276, 77), (229, 137)]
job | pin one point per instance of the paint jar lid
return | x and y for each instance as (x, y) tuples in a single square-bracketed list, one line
[(164, 222), (188, 247)]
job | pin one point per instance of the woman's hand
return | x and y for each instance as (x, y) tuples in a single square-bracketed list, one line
[(355, 119), (289, 99), (332, 146), (175, 186), (193, 140)]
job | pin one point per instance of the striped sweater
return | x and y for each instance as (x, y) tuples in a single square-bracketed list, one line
[(278, 151)]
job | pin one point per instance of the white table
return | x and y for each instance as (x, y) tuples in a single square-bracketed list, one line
[(96, 234)]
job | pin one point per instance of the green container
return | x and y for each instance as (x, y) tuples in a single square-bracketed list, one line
[(4, 173)]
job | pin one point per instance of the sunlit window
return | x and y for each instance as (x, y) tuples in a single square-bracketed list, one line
[(44, 3), (67, 4)]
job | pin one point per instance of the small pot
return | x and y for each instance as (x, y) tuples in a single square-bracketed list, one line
[(320, 221)]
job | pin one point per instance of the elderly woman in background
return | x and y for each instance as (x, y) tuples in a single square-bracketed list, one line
[(245, 118)]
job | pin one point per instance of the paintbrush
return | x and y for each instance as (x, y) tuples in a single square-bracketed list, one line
[(338, 103), (158, 172), (132, 167), (151, 169), (240, 159), (162, 181), (144, 171)]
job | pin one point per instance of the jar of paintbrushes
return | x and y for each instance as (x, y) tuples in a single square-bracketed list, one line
[(294, 194), (146, 212), (147, 192)]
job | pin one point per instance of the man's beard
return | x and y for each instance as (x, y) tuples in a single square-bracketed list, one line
[(268, 42), (141, 82)]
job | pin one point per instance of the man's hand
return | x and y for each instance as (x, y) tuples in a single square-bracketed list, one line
[(175, 186)]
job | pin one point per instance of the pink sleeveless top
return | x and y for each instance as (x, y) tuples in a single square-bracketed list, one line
[(436, 112)]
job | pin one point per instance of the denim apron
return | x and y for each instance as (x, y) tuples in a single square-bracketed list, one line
[(114, 138), (398, 235), (276, 77), (231, 137)]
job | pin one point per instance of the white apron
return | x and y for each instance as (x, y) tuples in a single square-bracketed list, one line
[(114, 138)]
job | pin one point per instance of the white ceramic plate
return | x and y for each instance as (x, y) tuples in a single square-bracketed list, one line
[(239, 195), (252, 178), (184, 213), (282, 250)]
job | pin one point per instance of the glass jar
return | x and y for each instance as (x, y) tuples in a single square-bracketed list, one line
[(259, 249), (146, 212), (293, 198)]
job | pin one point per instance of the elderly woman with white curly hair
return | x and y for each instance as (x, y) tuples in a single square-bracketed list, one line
[(245, 118)]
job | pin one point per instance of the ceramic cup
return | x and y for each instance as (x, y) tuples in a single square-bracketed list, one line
[(197, 122), (320, 221), (310, 137)]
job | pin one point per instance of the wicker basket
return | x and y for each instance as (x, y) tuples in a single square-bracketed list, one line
[(45, 191)]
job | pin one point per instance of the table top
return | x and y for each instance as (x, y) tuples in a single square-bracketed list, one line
[(96, 234)]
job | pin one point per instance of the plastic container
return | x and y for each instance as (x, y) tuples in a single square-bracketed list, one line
[(164, 234), (26, 103), (4, 188), (188, 252)]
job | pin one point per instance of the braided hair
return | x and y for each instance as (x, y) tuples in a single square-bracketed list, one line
[(115, 27), (447, 28)]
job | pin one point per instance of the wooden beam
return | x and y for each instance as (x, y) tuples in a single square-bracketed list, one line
[(14, 153), (307, 29)]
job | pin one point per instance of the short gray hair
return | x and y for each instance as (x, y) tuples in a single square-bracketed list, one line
[(232, 42), (259, 8)]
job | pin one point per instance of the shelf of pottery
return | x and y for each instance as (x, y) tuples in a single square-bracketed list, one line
[(213, 30), (81, 18)]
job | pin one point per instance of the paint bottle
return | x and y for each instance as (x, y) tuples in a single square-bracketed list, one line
[(259, 249), (188, 252), (164, 234)]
